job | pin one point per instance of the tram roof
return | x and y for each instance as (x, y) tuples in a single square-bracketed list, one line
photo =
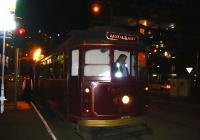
[(99, 35)]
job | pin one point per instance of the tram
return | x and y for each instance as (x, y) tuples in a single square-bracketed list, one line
[(78, 78)]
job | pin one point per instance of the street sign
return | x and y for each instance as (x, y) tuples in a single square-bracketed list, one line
[(189, 69)]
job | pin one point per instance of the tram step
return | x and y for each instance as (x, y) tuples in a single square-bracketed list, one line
[(115, 133)]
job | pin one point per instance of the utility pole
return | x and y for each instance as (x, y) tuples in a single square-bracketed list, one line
[(2, 98), (7, 14)]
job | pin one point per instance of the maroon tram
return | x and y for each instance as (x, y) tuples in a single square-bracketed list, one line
[(78, 78)]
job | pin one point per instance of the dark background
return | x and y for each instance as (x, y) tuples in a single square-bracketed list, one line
[(62, 16)]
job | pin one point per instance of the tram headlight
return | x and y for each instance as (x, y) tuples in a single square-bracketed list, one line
[(87, 110), (168, 86), (125, 99), (86, 90), (146, 88)]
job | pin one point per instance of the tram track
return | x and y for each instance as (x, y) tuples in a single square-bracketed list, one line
[(128, 132), (115, 133), (60, 128), (49, 130)]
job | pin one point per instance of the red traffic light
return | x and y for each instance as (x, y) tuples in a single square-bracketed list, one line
[(21, 31), (155, 50), (142, 31)]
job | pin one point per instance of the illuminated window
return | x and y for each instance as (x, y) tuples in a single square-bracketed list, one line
[(75, 63), (97, 62), (117, 53)]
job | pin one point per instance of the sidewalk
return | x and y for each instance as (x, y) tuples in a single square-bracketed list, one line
[(21, 122)]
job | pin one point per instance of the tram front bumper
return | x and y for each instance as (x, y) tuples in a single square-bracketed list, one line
[(115, 122)]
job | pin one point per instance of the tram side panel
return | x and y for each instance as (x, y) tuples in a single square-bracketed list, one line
[(51, 91), (74, 99)]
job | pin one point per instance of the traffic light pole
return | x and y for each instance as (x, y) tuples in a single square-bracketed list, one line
[(2, 98)]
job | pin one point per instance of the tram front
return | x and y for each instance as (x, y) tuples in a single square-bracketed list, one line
[(113, 89)]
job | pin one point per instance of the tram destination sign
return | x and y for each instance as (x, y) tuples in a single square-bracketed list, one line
[(120, 36)]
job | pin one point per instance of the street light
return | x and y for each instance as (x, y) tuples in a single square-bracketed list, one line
[(7, 8), (96, 8), (37, 55)]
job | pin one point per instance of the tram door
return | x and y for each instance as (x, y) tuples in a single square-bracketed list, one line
[(73, 85)]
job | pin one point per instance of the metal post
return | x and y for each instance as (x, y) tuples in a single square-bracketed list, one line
[(16, 75), (19, 60), (2, 98)]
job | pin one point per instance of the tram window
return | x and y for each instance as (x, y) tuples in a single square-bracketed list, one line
[(97, 62), (97, 70), (41, 71), (75, 63), (117, 55), (58, 70), (51, 72), (134, 65), (97, 56), (142, 65), (44, 72), (52, 68)]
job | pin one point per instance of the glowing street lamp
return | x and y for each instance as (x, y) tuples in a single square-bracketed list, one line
[(37, 54), (96, 8), (7, 10)]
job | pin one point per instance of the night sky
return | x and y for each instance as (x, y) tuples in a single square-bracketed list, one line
[(58, 15), (51, 15), (64, 15)]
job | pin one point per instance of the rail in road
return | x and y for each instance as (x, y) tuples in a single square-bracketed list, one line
[(115, 133), (85, 133)]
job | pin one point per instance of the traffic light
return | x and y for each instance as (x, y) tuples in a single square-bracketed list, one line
[(21, 31), (19, 37), (155, 50), (142, 31)]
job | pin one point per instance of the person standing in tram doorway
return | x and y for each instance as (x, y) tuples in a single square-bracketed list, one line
[(120, 67)]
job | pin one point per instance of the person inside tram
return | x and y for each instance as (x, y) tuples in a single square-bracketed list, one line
[(120, 67)]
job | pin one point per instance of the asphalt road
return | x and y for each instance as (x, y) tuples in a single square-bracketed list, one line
[(168, 119)]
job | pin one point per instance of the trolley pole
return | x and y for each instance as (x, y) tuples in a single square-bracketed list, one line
[(2, 98)]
